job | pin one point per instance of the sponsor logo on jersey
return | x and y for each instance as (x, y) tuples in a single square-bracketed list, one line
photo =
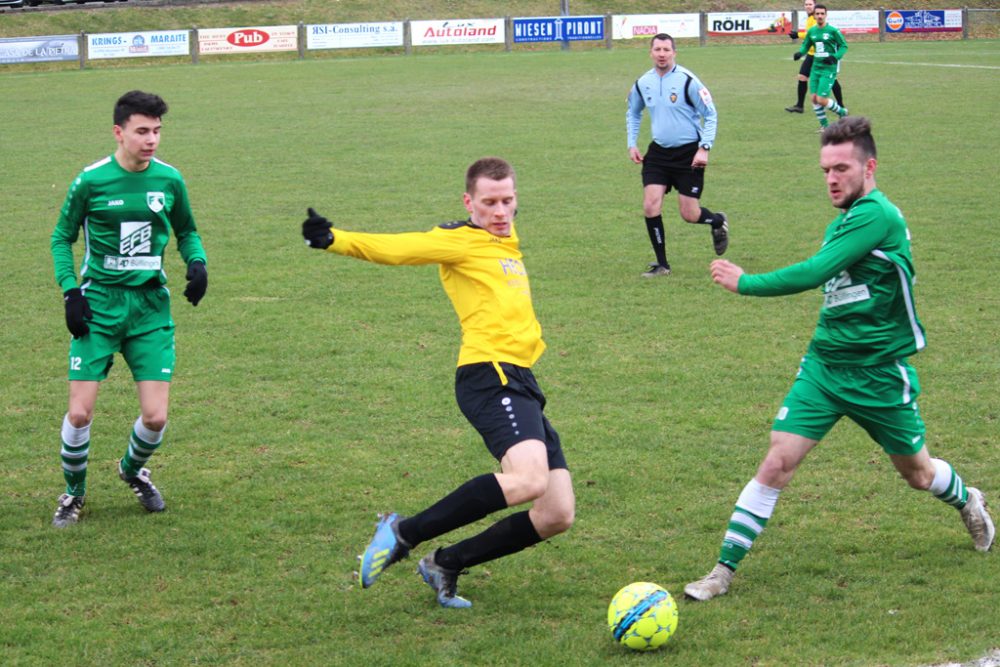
[(156, 201), (116, 202), (136, 237), (846, 295), (140, 263)]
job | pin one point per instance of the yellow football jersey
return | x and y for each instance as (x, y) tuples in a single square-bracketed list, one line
[(810, 22), (483, 275)]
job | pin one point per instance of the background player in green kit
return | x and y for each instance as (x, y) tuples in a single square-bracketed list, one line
[(855, 365), (125, 204), (830, 47)]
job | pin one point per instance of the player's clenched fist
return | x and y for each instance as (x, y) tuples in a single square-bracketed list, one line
[(317, 230)]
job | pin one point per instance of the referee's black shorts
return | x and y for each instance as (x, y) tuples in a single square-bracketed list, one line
[(806, 66), (672, 167), (504, 403)]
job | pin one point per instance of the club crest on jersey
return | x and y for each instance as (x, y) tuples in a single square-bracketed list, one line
[(155, 201), (673, 98)]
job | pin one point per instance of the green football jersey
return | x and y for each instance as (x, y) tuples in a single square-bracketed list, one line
[(868, 315), (828, 41), (126, 218)]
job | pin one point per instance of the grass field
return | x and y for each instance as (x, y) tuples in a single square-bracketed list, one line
[(313, 391)]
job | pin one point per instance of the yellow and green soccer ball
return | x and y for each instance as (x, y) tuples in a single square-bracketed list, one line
[(642, 616)]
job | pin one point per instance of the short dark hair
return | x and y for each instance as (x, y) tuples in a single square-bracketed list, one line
[(138, 102), (663, 36), (855, 130), (819, 6), (493, 168)]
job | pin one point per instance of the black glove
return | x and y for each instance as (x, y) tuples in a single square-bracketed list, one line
[(830, 60), (77, 312), (317, 230), (797, 55), (197, 277), (794, 34)]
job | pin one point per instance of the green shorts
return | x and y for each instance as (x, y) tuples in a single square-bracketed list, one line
[(880, 399), (133, 321), (821, 80)]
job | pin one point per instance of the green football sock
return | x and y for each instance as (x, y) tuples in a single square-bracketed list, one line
[(820, 115), (947, 486), (753, 509), (141, 445), (74, 453)]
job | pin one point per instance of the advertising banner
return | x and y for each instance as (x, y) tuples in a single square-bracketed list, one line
[(558, 29), (39, 49), (749, 23), (354, 35), (138, 44), (933, 20), (248, 40), (457, 31), (856, 21), (644, 26)]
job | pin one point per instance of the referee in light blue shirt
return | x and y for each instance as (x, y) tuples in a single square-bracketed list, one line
[(684, 120)]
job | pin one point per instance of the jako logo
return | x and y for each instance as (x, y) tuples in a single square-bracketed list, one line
[(894, 21), (249, 37)]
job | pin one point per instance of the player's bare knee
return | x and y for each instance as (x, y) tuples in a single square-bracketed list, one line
[(155, 422), (534, 485), (553, 521), (78, 417)]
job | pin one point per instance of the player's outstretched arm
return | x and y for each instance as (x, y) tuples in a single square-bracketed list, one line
[(726, 274), (317, 230)]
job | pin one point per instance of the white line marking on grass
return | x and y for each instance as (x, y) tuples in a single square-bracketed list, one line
[(900, 62)]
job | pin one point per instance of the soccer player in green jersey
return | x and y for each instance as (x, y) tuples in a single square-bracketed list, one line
[(830, 46), (856, 364), (125, 204), (482, 271)]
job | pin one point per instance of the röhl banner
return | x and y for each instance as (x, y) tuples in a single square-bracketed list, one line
[(750, 23)]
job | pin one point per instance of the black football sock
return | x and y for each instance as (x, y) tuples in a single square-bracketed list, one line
[(507, 536), (709, 218), (837, 93), (654, 226), (803, 85), (470, 502)]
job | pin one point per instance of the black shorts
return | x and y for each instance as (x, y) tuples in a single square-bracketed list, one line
[(672, 167), (806, 66), (504, 403)]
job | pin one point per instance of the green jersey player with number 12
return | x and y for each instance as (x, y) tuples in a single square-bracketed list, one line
[(125, 206)]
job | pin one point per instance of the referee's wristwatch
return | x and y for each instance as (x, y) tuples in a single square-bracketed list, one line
[(707, 147)]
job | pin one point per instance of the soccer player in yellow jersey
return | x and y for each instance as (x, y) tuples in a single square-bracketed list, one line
[(807, 62), (483, 273)]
